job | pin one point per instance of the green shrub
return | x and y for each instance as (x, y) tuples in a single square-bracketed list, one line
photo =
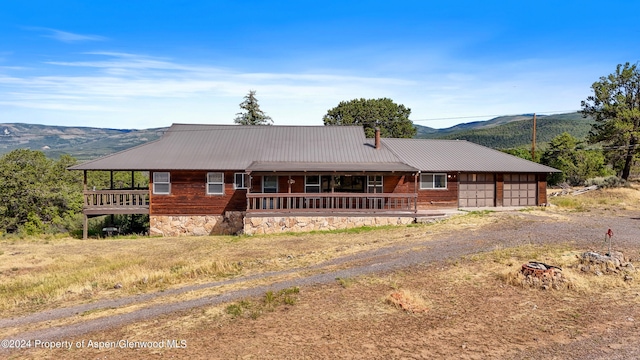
[(606, 182)]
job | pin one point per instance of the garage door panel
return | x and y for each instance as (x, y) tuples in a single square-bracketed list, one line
[(476, 190), (520, 190)]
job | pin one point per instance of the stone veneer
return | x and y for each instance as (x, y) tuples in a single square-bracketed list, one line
[(199, 225), (278, 224)]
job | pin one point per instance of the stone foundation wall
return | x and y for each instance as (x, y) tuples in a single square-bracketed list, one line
[(278, 224), (200, 225)]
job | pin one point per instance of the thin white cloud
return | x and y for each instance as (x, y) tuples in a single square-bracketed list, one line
[(56, 106), (66, 36), (158, 91), (131, 76)]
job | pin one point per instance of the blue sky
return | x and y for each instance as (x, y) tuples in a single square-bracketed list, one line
[(143, 64)]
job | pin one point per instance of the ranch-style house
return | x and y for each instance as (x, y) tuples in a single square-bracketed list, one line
[(225, 179)]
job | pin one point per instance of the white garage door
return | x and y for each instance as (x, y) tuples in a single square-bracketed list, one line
[(476, 190), (520, 190)]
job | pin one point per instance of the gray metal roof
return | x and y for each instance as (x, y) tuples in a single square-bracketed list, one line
[(235, 147), (305, 148), (429, 155)]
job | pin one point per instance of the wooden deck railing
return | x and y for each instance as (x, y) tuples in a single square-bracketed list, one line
[(116, 202), (335, 202)]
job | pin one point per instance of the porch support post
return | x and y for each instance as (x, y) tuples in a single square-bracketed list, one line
[(112, 217), (250, 178), (85, 221), (85, 227), (133, 178), (415, 191)]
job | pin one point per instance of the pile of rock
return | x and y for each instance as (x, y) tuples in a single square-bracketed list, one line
[(613, 263), (541, 275)]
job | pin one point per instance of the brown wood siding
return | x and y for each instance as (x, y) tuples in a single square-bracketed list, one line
[(298, 183), (189, 197), (283, 184), (438, 198), (398, 184), (256, 184), (499, 189), (542, 189)]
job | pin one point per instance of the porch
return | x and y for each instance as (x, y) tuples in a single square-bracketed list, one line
[(360, 203), (106, 202), (112, 202)]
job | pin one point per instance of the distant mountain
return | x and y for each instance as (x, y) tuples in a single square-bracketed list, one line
[(86, 143), (512, 131), (80, 142)]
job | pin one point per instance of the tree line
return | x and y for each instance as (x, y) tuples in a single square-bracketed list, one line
[(566, 153), (39, 195)]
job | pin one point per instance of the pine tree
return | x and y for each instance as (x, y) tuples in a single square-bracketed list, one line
[(615, 106), (252, 114)]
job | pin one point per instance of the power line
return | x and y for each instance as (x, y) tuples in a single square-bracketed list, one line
[(495, 115)]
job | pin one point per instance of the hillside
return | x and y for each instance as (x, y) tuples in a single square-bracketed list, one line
[(512, 131), (80, 142), (429, 133), (87, 143)]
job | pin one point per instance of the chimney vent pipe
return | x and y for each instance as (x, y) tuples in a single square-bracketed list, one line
[(377, 138)]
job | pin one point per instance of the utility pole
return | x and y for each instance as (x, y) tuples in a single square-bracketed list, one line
[(533, 140)]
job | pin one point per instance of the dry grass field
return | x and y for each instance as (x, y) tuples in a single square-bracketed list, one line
[(472, 306), (37, 274)]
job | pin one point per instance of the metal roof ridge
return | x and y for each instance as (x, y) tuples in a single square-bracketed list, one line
[(400, 158), (438, 140), (268, 126)]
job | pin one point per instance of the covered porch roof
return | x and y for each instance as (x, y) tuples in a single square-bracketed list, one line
[(327, 167)]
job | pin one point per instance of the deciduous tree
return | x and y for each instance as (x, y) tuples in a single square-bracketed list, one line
[(615, 106), (391, 118), (38, 194)]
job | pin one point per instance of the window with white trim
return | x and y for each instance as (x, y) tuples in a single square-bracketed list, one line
[(433, 181), (215, 183), (161, 183), (269, 184), (374, 184), (312, 184), (240, 180)]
